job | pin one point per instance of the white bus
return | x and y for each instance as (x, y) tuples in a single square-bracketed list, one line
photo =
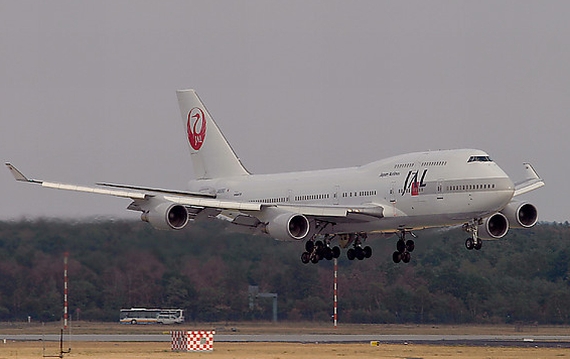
[(151, 316)]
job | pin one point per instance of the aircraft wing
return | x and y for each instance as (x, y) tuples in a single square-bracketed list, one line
[(137, 193), (530, 183), (144, 195), (19, 176)]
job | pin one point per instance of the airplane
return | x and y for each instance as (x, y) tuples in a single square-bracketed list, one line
[(392, 196)]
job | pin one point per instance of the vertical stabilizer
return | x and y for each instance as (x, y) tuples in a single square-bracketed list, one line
[(212, 155)]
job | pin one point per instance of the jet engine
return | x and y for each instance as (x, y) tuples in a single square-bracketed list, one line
[(166, 216), (521, 214), (288, 226), (494, 227)]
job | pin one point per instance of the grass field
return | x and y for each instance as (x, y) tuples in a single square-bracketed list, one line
[(29, 350)]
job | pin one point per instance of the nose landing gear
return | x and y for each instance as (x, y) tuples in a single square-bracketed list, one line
[(474, 242)]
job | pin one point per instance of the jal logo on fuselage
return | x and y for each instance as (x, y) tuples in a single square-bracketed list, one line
[(196, 128), (414, 182)]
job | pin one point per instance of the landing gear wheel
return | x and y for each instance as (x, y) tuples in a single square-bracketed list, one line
[(359, 253), (406, 256), (315, 259), (305, 257), (396, 257), (336, 252), (350, 254), (478, 245), (328, 254), (401, 246), (309, 246), (469, 243), (367, 252), (410, 245)]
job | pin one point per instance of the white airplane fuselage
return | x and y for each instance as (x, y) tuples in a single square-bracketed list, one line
[(416, 190)]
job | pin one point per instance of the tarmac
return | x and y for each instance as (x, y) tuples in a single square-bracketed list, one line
[(534, 341)]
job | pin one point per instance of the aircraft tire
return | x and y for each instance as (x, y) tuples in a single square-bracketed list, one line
[(406, 256), (359, 252), (336, 252), (401, 246), (410, 245), (350, 254), (305, 257), (469, 244), (328, 254), (397, 257), (367, 252), (309, 245), (478, 245)]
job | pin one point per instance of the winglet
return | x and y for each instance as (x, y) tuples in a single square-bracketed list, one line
[(530, 183), (19, 176), (530, 171)]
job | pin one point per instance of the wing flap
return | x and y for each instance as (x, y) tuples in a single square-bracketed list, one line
[(316, 211), (213, 203), (370, 210)]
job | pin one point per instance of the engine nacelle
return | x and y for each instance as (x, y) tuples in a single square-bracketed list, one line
[(494, 227), (288, 226), (521, 214), (167, 216)]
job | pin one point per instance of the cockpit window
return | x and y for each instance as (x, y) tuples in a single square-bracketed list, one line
[(479, 159)]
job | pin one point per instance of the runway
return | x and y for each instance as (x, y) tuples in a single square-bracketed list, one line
[(562, 341)]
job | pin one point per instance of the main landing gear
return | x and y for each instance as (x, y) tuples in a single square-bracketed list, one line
[(317, 250), (404, 248), (357, 251), (474, 242)]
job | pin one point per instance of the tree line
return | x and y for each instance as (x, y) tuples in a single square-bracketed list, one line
[(207, 269)]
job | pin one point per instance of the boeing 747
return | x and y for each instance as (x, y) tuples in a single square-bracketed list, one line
[(396, 195)]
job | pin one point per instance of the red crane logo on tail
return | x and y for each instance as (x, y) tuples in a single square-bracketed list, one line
[(196, 128)]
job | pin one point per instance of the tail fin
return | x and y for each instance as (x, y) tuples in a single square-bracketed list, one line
[(212, 155)]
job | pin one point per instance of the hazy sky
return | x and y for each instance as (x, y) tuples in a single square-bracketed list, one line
[(87, 89)]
